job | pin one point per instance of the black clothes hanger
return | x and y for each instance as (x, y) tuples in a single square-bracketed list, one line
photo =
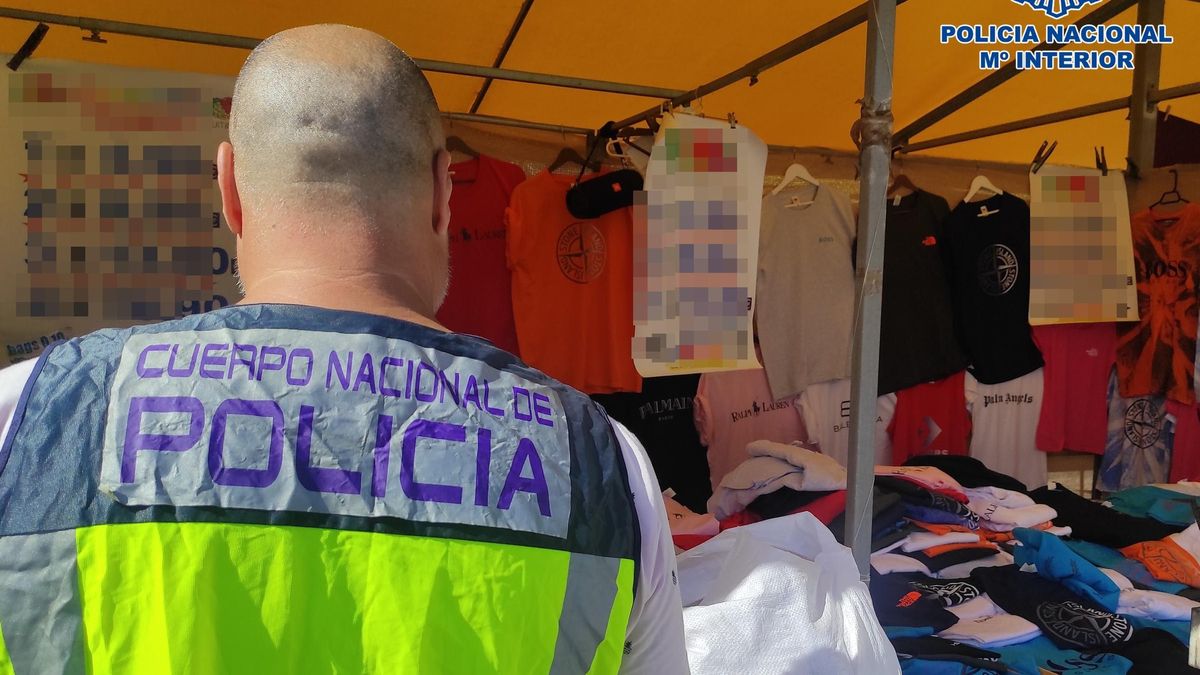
[(1171, 196), (571, 156), (456, 144)]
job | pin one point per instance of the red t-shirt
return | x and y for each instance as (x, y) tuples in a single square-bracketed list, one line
[(479, 301), (1156, 354), (931, 419), (1185, 453), (1079, 360)]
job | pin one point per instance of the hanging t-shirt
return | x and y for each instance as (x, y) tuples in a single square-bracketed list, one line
[(931, 419), (1004, 422), (826, 411), (479, 299), (1156, 355), (1185, 452), (661, 417), (989, 284), (805, 306), (917, 342), (572, 288), (1140, 436), (1079, 360), (735, 407)]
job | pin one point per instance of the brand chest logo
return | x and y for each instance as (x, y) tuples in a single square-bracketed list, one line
[(1057, 9), (1072, 622), (1142, 421), (998, 269), (581, 252)]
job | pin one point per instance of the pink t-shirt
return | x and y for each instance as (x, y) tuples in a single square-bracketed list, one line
[(1079, 358), (1185, 453), (734, 408)]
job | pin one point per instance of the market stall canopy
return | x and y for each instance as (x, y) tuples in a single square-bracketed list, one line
[(809, 101)]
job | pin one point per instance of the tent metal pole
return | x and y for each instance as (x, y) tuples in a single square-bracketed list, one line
[(519, 124), (875, 159), (1106, 12), (499, 61), (241, 42), (1051, 118), (1143, 112), (812, 38)]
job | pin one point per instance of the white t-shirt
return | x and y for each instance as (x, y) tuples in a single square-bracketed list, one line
[(1004, 421), (825, 408), (655, 641)]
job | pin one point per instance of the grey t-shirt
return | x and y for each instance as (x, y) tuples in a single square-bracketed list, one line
[(805, 312)]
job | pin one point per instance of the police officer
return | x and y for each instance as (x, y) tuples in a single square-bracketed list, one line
[(321, 479)]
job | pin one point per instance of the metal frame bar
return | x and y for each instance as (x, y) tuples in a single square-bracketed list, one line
[(875, 158), (1088, 110), (519, 124), (241, 42), (1143, 113), (1106, 12), (812, 38), (499, 60)]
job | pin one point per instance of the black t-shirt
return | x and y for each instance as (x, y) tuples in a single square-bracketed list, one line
[(988, 268), (1097, 523), (917, 342), (1069, 620), (661, 418)]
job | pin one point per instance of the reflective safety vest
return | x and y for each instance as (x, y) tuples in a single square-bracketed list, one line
[(283, 489)]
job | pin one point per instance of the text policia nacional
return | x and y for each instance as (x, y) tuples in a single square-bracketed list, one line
[(1030, 36)]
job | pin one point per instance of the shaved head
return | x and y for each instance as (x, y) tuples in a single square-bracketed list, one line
[(336, 178), (332, 109)]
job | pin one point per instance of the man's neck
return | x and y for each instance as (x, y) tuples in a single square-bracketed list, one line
[(368, 292)]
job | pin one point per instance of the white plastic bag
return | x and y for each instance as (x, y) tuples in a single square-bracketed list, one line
[(780, 596)]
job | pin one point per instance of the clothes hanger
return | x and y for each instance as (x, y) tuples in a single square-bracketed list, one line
[(981, 182), (569, 155), (1171, 196), (902, 182), (456, 144), (793, 172)]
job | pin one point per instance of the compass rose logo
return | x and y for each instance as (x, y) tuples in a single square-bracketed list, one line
[(998, 269), (581, 252), (1142, 421)]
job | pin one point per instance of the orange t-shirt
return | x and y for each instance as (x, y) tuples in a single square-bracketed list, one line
[(1156, 355), (572, 288)]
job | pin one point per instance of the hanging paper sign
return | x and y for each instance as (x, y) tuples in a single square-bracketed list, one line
[(696, 229), (1081, 248), (109, 212)]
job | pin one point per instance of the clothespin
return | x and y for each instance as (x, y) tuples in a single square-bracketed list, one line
[(1101, 160), (732, 121), (1042, 156)]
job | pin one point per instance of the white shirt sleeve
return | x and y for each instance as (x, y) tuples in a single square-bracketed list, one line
[(654, 640), (12, 384)]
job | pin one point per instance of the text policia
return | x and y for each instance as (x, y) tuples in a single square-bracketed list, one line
[(1035, 58)]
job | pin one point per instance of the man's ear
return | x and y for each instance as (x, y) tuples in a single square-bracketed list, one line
[(231, 201), (443, 184)]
